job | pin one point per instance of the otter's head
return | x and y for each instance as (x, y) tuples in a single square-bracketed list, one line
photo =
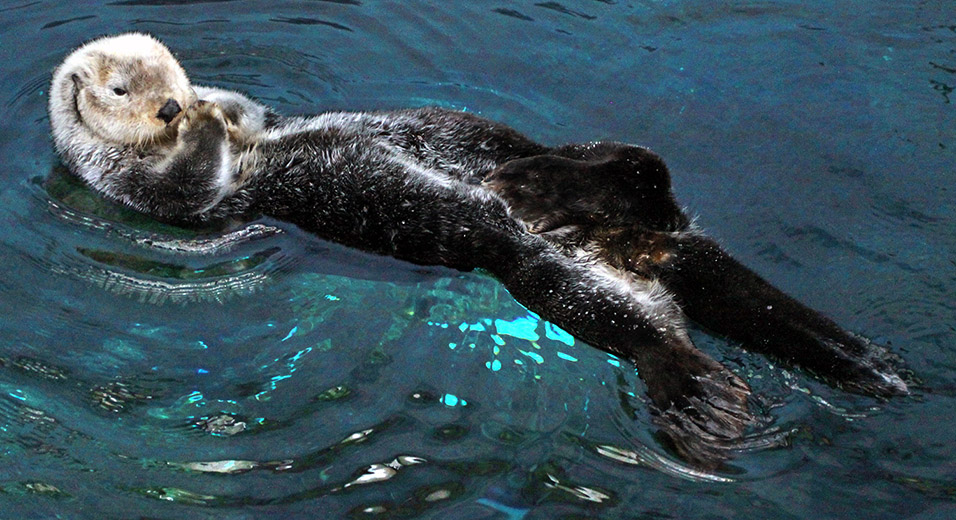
[(125, 89)]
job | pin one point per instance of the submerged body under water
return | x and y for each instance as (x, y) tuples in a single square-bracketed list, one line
[(152, 371)]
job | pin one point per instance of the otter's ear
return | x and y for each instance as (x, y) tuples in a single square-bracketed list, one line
[(81, 77), (84, 73)]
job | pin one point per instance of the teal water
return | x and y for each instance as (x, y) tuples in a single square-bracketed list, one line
[(154, 372)]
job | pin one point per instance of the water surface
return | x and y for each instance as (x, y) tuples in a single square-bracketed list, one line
[(149, 371)]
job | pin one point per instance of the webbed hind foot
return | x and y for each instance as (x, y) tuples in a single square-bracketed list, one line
[(699, 405), (726, 297), (857, 365)]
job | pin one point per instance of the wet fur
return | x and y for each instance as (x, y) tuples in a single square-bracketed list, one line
[(612, 259)]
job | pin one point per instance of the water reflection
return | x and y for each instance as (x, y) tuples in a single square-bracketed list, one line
[(149, 276)]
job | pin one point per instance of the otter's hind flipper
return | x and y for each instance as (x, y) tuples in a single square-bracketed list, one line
[(699, 405), (619, 198), (723, 295)]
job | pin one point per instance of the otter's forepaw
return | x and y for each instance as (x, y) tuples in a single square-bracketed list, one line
[(701, 408), (203, 116)]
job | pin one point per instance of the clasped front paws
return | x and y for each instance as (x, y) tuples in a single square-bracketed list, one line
[(203, 118)]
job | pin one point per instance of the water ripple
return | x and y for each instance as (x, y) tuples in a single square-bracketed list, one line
[(28, 4), (29, 90), (158, 291), (161, 3), (58, 23), (578, 491), (152, 279), (384, 471), (513, 13), (556, 6), (311, 21), (640, 455), (208, 246)]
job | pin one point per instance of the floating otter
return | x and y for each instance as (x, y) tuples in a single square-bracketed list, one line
[(407, 184)]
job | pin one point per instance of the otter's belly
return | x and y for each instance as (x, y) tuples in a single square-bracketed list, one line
[(367, 194)]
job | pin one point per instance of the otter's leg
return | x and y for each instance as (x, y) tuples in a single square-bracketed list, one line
[(540, 190), (723, 295), (700, 405)]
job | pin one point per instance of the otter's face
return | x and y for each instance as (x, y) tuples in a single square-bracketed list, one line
[(131, 97)]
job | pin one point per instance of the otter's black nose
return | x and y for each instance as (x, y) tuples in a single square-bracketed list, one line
[(170, 110)]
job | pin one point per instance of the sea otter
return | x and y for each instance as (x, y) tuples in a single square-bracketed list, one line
[(406, 183)]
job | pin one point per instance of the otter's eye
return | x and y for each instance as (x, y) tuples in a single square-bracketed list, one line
[(119, 92)]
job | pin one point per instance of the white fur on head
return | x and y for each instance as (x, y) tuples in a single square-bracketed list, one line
[(111, 89)]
